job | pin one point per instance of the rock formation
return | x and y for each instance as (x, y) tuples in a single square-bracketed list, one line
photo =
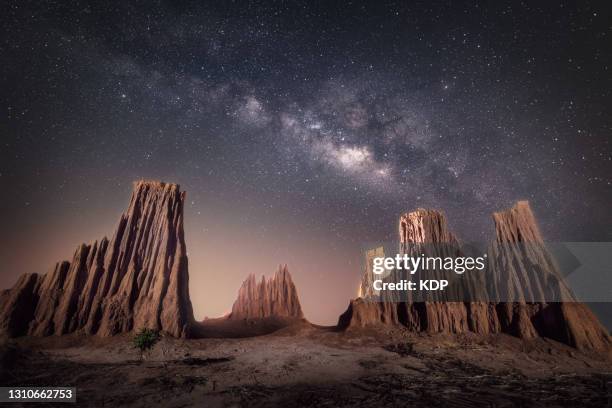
[(275, 297), (366, 287), (137, 279), (418, 231), (527, 271), (521, 269), (18, 305)]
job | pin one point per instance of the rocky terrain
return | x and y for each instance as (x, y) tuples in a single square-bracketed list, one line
[(140, 279), (74, 326), (521, 267), (137, 279), (306, 366), (275, 297)]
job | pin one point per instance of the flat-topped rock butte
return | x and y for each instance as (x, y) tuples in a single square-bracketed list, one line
[(139, 278)]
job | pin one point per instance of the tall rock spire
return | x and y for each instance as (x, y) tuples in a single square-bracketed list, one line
[(523, 268), (137, 279), (426, 232)]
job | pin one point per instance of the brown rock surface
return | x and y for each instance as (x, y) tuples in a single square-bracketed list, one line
[(365, 288), (137, 279), (426, 232), (528, 269), (18, 305), (521, 267), (275, 297), (424, 226), (418, 230)]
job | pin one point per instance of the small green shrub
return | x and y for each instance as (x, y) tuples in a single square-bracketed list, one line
[(145, 339)]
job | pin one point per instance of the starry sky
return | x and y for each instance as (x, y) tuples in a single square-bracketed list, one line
[(300, 130)]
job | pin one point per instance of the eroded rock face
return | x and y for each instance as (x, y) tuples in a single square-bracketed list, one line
[(365, 313), (417, 230), (519, 269), (424, 226), (275, 297), (528, 268), (137, 279), (366, 288), (18, 305)]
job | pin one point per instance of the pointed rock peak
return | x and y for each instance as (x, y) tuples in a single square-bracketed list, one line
[(517, 224), (282, 273), (250, 280), (18, 304), (272, 297), (568, 322)]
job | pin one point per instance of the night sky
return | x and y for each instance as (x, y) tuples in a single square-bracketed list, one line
[(300, 130)]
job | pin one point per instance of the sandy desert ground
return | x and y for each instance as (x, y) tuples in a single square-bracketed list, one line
[(306, 365)]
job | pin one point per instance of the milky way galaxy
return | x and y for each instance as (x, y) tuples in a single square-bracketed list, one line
[(300, 130)]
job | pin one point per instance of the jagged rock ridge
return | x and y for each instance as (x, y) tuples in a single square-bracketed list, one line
[(416, 230), (566, 321), (275, 297), (137, 279)]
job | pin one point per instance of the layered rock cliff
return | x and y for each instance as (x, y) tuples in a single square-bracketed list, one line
[(137, 279), (527, 271), (274, 297), (422, 232), (521, 269)]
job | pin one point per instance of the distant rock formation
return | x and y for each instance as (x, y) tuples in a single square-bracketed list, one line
[(524, 268), (137, 279), (366, 288), (273, 298)]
